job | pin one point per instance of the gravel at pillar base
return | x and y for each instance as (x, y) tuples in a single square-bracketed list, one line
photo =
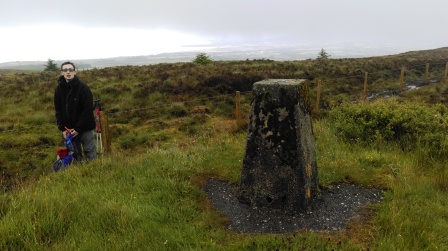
[(279, 167)]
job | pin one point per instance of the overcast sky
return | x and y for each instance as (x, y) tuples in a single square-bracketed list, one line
[(82, 29)]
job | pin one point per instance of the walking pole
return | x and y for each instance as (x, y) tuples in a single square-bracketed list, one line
[(99, 140)]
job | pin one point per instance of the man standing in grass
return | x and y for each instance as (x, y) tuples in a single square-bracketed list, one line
[(73, 103)]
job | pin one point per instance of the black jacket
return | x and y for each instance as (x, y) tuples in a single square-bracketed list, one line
[(73, 103)]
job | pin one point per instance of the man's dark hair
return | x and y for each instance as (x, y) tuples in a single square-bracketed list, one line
[(68, 62)]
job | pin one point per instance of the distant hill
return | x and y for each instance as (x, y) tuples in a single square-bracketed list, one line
[(277, 53)]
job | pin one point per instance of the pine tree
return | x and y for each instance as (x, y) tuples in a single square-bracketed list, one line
[(323, 54), (50, 66), (202, 58)]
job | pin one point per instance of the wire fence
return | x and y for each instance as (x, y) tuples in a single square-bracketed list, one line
[(160, 110)]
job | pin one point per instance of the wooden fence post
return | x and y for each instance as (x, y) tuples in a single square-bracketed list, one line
[(319, 86), (446, 72), (427, 73), (365, 85), (105, 133), (401, 78)]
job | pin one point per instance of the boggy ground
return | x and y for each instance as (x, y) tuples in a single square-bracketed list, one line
[(330, 211)]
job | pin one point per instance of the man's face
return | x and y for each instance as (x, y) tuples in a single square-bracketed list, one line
[(68, 71)]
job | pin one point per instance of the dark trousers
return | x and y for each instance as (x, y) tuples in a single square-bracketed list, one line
[(84, 143)]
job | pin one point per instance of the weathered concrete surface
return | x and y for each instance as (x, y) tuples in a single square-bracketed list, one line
[(279, 167)]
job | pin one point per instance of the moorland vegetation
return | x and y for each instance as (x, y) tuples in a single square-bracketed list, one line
[(172, 126)]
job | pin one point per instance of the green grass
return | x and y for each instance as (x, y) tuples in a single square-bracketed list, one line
[(340, 161), (154, 201), (414, 213), (148, 202)]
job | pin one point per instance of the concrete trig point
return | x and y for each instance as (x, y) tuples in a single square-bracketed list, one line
[(279, 166)]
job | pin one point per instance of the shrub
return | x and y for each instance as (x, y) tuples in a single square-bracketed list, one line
[(202, 58), (408, 124)]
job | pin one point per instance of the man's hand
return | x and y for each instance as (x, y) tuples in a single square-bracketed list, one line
[(71, 131)]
